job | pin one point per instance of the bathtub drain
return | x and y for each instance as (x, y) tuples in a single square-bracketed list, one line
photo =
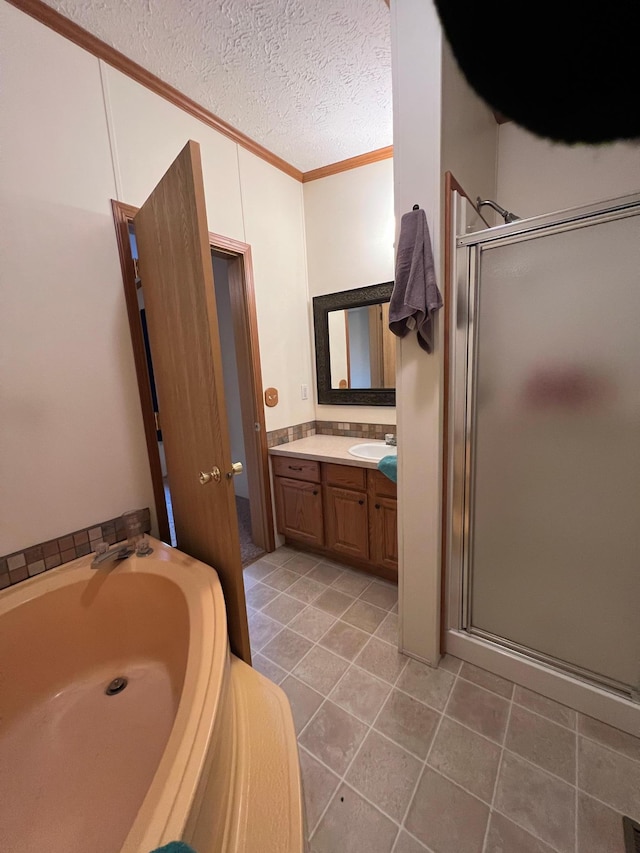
[(116, 686)]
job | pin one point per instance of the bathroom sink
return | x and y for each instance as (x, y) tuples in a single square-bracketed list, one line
[(373, 451)]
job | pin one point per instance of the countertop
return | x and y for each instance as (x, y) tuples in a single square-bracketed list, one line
[(327, 448)]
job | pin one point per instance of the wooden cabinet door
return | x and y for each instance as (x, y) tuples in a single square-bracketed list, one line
[(299, 510), (384, 532), (175, 265), (346, 522)]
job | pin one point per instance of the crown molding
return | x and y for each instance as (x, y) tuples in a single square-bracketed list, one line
[(84, 39), (351, 163)]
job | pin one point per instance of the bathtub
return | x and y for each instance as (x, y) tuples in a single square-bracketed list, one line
[(198, 746)]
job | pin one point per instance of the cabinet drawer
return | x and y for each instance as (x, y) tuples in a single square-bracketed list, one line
[(296, 469), (347, 476), (381, 486)]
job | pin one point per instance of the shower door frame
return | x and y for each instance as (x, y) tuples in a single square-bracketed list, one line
[(566, 683)]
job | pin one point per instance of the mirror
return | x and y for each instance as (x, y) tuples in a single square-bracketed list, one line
[(355, 351)]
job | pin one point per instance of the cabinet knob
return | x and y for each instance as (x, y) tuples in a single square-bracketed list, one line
[(361, 502), (315, 491), (377, 506)]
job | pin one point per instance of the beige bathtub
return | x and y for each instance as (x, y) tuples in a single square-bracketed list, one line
[(198, 746)]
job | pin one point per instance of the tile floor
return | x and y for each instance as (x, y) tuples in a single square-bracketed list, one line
[(400, 757)]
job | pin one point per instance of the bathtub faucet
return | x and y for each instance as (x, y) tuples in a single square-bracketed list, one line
[(104, 553), (391, 439)]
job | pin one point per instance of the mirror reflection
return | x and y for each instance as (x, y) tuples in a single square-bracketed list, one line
[(362, 350)]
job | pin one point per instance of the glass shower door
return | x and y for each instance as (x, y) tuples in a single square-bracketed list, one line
[(553, 543)]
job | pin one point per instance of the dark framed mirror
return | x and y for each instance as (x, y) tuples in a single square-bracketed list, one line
[(355, 351)]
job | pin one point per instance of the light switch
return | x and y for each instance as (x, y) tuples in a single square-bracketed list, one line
[(304, 392)]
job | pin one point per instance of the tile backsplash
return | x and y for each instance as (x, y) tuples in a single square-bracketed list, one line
[(32, 561), (348, 428)]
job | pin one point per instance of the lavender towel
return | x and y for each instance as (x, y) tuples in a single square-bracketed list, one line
[(415, 295)]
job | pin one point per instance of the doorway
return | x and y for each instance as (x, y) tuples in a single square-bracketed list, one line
[(235, 301)]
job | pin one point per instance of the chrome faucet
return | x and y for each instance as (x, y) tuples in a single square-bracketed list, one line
[(104, 553), (391, 439)]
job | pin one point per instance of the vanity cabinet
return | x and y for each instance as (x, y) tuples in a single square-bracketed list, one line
[(341, 511)]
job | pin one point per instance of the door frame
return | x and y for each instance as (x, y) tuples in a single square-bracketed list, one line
[(245, 328)]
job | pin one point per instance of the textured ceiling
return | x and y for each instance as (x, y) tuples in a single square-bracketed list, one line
[(309, 80)]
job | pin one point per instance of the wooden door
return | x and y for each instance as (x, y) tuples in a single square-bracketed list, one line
[(299, 510), (346, 522), (177, 275)]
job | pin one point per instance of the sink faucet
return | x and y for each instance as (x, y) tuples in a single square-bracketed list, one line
[(104, 553), (391, 439)]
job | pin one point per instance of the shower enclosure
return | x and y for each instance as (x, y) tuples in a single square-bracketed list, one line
[(543, 542)]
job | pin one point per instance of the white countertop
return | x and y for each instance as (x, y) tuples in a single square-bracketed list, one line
[(327, 448)]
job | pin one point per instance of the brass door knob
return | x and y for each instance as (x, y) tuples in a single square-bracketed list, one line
[(207, 476), (236, 468)]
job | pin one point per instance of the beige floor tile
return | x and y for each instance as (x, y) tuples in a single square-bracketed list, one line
[(301, 563), (446, 818), (325, 573), (283, 608), (281, 579), (321, 670), (287, 649), (487, 680), (303, 700), (364, 616), (268, 668), (466, 758), (608, 736), (333, 601), (312, 623), (450, 663), (482, 711), (306, 590), (388, 629), (345, 640), (248, 582), (280, 556), (385, 774), (259, 595), (408, 722), (333, 736), (381, 595), (318, 784), (407, 844), (609, 776), (599, 827), (506, 837), (538, 802), (360, 694), (382, 660), (351, 825), (542, 742), (547, 707), (351, 583), (260, 569), (426, 683), (262, 630)]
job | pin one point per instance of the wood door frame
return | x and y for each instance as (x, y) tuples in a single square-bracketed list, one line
[(245, 323)]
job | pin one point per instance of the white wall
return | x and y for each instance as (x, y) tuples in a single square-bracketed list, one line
[(469, 134), (349, 226), (230, 373), (417, 72), (72, 450), (536, 176)]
